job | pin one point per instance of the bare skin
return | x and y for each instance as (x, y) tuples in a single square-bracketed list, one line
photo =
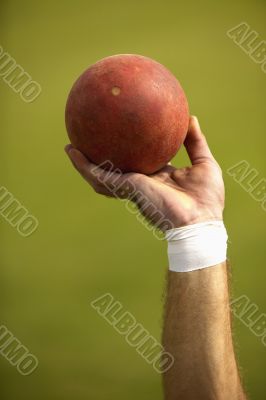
[(197, 332), (197, 329)]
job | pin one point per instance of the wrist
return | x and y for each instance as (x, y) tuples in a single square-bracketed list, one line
[(197, 217), (196, 246)]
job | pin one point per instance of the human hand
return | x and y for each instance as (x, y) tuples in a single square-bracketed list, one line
[(183, 196)]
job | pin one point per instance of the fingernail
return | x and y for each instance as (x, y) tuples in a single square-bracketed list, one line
[(196, 120), (67, 148)]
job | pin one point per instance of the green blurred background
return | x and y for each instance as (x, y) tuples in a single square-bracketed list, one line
[(87, 245)]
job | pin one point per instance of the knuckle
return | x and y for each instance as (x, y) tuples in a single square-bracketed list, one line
[(97, 188), (82, 170)]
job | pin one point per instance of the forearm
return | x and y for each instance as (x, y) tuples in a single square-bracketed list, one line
[(197, 329), (197, 332)]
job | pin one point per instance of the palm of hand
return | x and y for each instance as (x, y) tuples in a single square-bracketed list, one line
[(184, 196), (187, 195)]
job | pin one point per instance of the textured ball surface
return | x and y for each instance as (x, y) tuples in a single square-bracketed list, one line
[(130, 110)]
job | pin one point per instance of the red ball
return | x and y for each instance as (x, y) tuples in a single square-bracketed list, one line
[(130, 110)]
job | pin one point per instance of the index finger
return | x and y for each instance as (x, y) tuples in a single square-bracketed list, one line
[(96, 175)]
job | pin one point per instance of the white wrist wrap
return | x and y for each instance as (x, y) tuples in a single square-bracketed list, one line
[(196, 246)]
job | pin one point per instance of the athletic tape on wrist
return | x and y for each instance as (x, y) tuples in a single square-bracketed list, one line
[(196, 246)]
